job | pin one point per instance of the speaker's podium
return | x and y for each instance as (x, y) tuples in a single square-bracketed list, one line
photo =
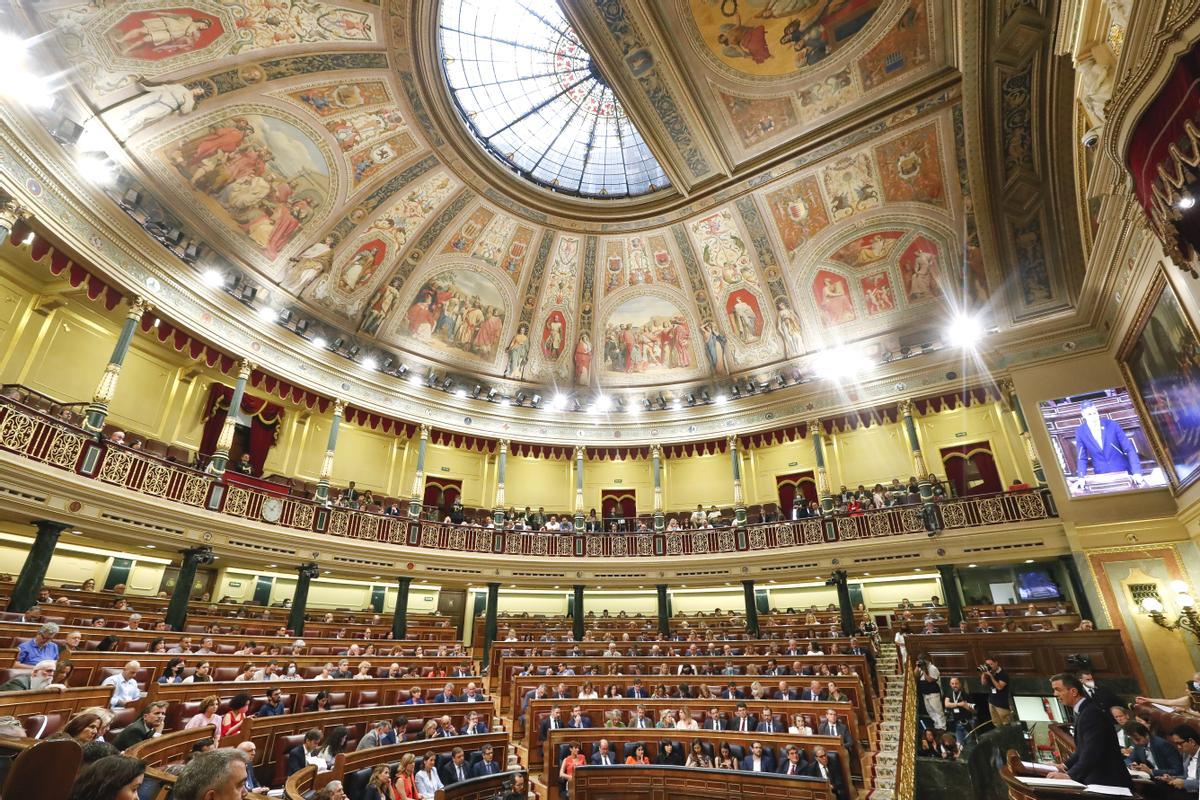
[(1028, 781)]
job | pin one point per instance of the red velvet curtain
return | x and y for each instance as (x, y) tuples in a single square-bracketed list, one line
[(971, 469), (441, 494), (618, 503), (264, 422), (803, 484)]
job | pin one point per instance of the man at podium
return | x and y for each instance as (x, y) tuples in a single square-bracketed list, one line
[(1097, 758)]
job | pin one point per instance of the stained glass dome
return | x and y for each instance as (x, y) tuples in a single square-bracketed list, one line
[(533, 97)]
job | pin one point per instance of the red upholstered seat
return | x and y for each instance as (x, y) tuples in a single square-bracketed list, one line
[(279, 755)]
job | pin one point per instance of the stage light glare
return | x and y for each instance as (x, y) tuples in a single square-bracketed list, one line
[(965, 331)]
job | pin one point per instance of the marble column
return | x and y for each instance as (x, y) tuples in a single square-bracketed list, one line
[(823, 492), (905, 408), (220, 456), (339, 408), (304, 576), (845, 607), (400, 615), (1008, 395), (415, 499), (751, 609), (951, 593), (656, 466), (739, 497), (97, 411), (489, 621), (579, 451), (501, 465), (664, 611), (577, 619), (33, 571), (177, 609)]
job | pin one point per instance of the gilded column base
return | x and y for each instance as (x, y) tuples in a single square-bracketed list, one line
[(321, 495), (660, 522)]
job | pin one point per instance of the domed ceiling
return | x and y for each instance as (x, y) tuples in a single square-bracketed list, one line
[(817, 176)]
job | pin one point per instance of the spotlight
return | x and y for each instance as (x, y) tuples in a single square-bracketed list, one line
[(431, 379), (414, 380), (734, 392), (705, 396), (476, 391), (98, 170), (130, 200), (1185, 202), (267, 314), (285, 316), (337, 343), (751, 387), (319, 341), (576, 403), (558, 403), (387, 363), (370, 363), (536, 400), (691, 400), (213, 277), (249, 294), (491, 394), (400, 370), (302, 327), (191, 252), (353, 352), (662, 402), (965, 331), (446, 384), (722, 399), (602, 404), (839, 363), (66, 131), (519, 399)]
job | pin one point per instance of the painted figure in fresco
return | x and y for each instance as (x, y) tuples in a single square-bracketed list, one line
[(162, 32), (835, 301), (380, 306), (744, 320), (583, 360), (308, 266), (789, 329), (923, 283), (553, 336), (680, 338), (714, 348), (155, 104), (518, 353), (744, 41), (878, 293), (361, 267)]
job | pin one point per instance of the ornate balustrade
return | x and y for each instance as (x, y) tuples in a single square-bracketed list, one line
[(32, 435)]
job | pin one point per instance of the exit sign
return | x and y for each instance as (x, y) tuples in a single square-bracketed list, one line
[(618, 480), (793, 463), (445, 469)]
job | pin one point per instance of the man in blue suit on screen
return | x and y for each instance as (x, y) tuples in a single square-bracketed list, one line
[(1105, 443)]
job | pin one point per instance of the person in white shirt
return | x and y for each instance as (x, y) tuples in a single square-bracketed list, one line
[(135, 622), (800, 726), (125, 689), (428, 781)]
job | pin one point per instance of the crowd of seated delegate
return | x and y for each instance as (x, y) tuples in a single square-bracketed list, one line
[(701, 754)]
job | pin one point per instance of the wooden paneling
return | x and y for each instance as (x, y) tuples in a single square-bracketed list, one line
[(680, 783)]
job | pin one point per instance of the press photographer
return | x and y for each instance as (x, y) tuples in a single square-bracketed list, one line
[(929, 688), (960, 710), (995, 680)]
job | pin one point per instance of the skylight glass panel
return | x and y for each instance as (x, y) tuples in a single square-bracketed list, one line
[(530, 93)]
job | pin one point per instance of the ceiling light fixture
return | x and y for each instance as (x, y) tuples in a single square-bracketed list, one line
[(536, 400), (1185, 202), (267, 314), (370, 363), (460, 393), (96, 169), (840, 363), (965, 331), (213, 277), (319, 342)]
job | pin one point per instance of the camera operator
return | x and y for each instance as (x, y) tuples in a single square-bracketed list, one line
[(995, 679), (929, 688), (960, 710)]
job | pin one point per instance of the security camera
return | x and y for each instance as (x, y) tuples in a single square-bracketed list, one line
[(1091, 139)]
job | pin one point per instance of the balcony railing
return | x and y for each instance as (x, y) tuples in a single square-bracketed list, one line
[(37, 437)]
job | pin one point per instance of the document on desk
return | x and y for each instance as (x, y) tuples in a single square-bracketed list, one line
[(1050, 783), (1036, 767), (1109, 791)]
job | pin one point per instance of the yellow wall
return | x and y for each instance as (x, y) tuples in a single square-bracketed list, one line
[(632, 474), (74, 563), (867, 456), (539, 482), (705, 480), (764, 464)]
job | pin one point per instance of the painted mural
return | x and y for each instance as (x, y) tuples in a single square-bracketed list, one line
[(826, 95), (867, 250), (362, 266), (744, 316), (788, 325), (364, 128), (726, 260), (660, 257), (613, 264), (458, 311), (327, 100), (877, 293), (517, 353), (920, 272), (403, 219), (798, 211), (259, 175), (779, 37), (115, 45), (851, 185), (910, 169), (370, 161), (647, 334), (564, 270), (554, 333), (831, 293), (906, 47), (468, 231), (755, 120)]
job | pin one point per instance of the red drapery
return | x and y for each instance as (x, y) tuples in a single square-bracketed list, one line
[(797, 484), (441, 494), (971, 469), (616, 503), (264, 426)]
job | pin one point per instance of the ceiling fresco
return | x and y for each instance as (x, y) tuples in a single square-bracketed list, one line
[(288, 136)]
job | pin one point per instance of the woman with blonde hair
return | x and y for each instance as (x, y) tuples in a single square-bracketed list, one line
[(379, 785), (406, 777), (800, 726), (685, 721)]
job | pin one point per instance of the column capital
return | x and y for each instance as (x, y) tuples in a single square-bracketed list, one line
[(502, 446), (656, 450), (579, 452), (404, 579), (245, 367), (425, 431), (814, 427), (339, 407), (138, 306), (1006, 387), (10, 212), (905, 408), (731, 441)]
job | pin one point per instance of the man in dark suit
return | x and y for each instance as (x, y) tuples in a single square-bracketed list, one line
[(1103, 442), (1151, 754), (830, 726), (1094, 691), (731, 692), (456, 770), (785, 692), (743, 721), (638, 718), (758, 760), (814, 692), (603, 757), (298, 756), (552, 722), (473, 724), (769, 723), (446, 695), (578, 719), (251, 785), (794, 764), (825, 765), (1097, 757), (715, 720), (636, 691), (148, 725), (486, 765)]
